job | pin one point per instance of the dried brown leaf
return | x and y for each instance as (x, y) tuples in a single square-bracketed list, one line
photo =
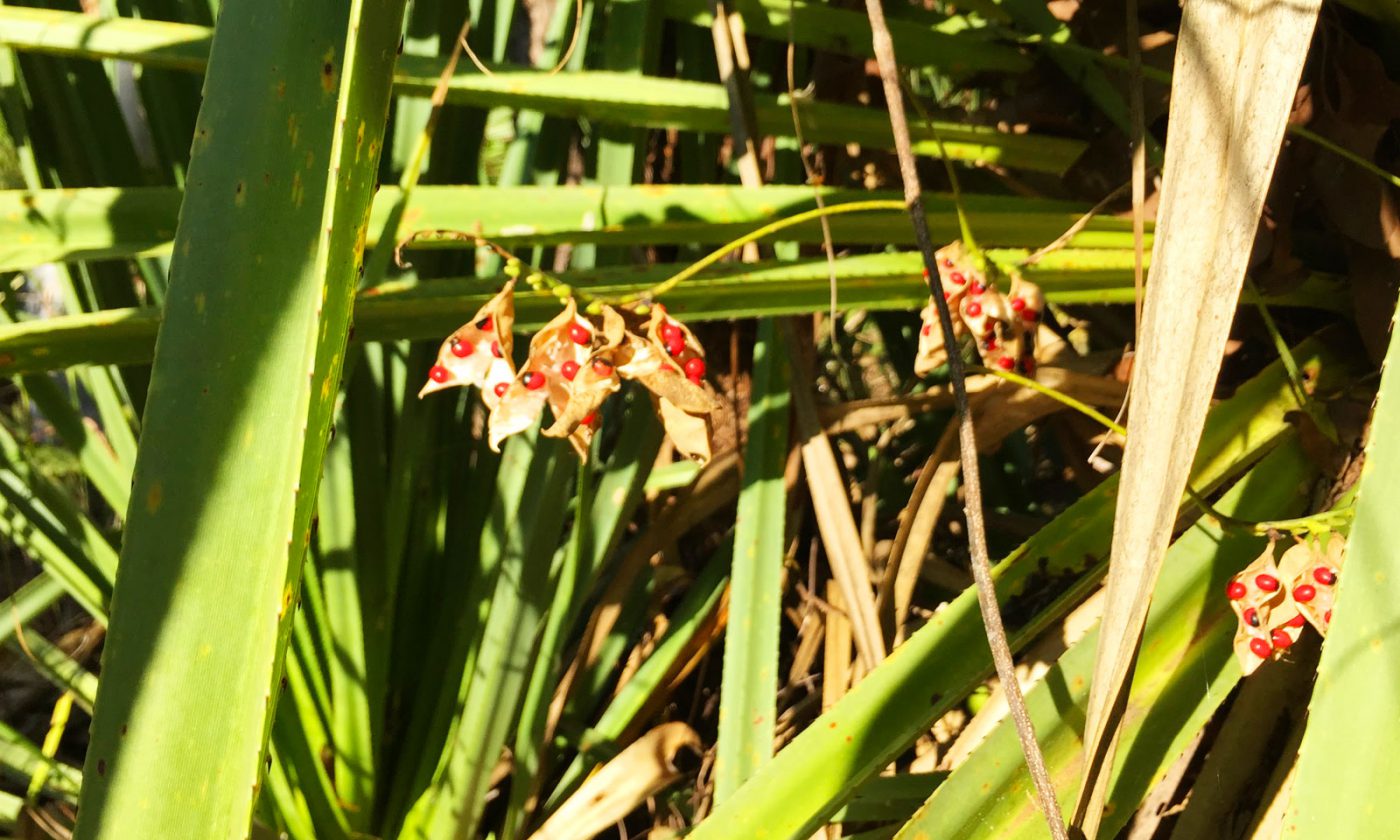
[(641, 770), (1237, 69)]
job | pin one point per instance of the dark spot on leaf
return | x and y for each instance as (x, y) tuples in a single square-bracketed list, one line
[(936, 698), (123, 729), (101, 766)]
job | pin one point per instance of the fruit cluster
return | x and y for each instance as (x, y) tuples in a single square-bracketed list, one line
[(1002, 326), (1274, 600), (575, 363)]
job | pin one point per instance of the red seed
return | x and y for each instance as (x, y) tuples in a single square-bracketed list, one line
[(947, 263), (485, 324), (1296, 621), (602, 367), (1324, 576), (947, 295), (500, 389), (1017, 304), (695, 368), (1281, 638), (1028, 365), (991, 343), (974, 309), (1029, 315), (1236, 590), (1303, 594), (675, 345), (461, 349), (927, 330), (1251, 617), (957, 278), (439, 374), (1327, 617), (669, 331), (569, 369), (976, 289), (1268, 583), (590, 419), (580, 334), (1261, 648), (1006, 363), (534, 380), (496, 349), (926, 273)]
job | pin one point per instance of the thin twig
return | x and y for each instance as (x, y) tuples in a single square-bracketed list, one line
[(811, 174), (1079, 224), (976, 526)]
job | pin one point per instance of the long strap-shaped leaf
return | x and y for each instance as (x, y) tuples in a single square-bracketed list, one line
[(397, 311), (1340, 789), (244, 380), (598, 96), (1237, 67), (748, 704), (100, 222)]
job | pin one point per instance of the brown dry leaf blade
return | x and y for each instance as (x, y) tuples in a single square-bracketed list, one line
[(644, 768), (1237, 70)]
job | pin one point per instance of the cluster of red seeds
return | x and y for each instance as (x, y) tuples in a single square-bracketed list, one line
[(673, 339), (1271, 611), (614, 345), (1002, 325), (1302, 593)]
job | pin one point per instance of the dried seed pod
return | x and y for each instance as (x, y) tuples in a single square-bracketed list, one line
[(590, 382), (1314, 576), (657, 359), (542, 379), (932, 352), (1255, 596), (479, 352), (1003, 327), (957, 273), (1026, 301)]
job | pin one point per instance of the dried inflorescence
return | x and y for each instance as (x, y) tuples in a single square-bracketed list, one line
[(1274, 600), (1002, 326), (575, 363)]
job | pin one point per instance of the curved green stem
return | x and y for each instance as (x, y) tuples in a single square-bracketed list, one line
[(753, 236)]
